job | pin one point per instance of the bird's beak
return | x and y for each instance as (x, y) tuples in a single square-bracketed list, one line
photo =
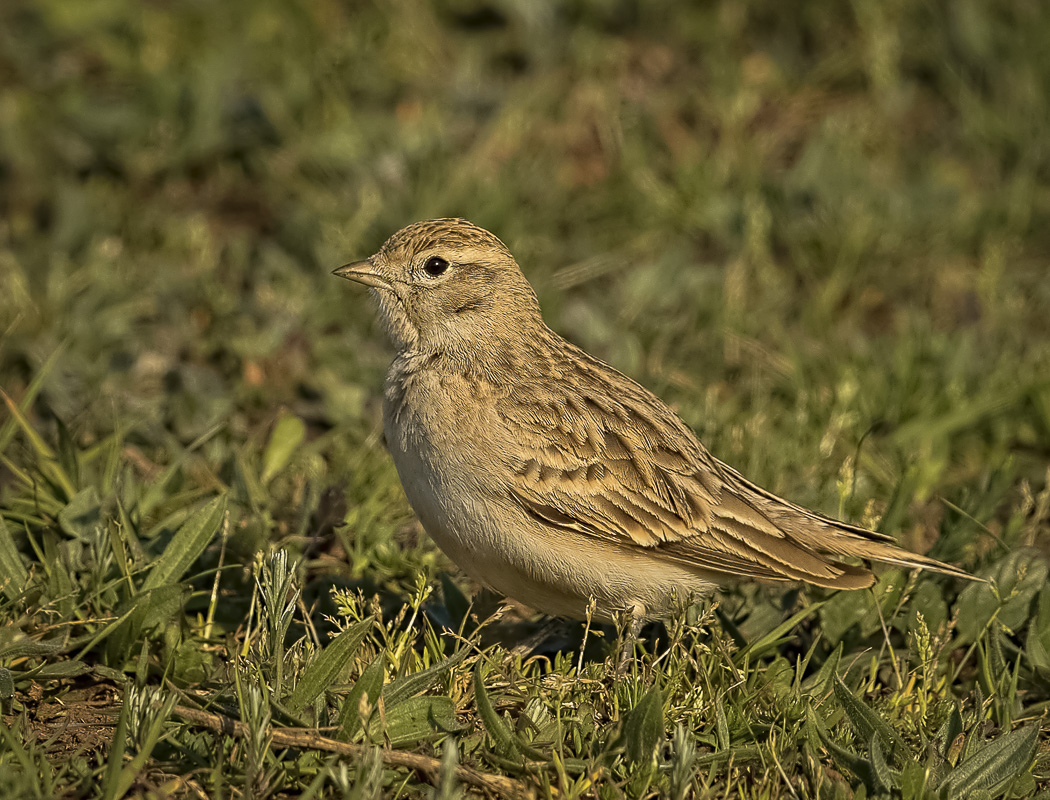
[(363, 272)]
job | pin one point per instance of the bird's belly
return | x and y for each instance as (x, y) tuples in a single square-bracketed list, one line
[(555, 571), (454, 475)]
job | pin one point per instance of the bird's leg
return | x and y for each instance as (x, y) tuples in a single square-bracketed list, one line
[(629, 631), (592, 606)]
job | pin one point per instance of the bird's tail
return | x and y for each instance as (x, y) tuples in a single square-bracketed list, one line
[(871, 546)]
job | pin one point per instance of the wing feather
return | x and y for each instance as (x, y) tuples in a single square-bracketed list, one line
[(612, 461)]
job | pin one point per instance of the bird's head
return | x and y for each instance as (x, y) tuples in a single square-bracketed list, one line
[(446, 284)]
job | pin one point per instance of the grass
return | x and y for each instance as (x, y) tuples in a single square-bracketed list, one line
[(822, 232)]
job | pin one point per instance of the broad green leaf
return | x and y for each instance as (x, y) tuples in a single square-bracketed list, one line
[(913, 781), (15, 644), (149, 609), (414, 719), (1037, 644), (927, 598), (862, 768), (845, 609), (967, 745), (1018, 578), (287, 435), (1024, 785), (644, 727), (721, 726), (324, 668), (123, 641), (867, 723), (158, 606), (845, 757), (884, 776), (82, 514), (13, 575), (501, 736), (60, 582), (59, 669), (67, 453), (997, 676), (995, 764), (367, 689), (949, 733), (187, 544), (408, 685)]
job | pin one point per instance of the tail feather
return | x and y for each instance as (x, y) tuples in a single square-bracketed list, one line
[(852, 541), (832, 537), (891, 554)]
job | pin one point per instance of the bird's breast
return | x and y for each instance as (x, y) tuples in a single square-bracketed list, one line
[(442, 415), (445, 437)]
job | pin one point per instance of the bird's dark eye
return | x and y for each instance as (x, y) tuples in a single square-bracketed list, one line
[(434, 266)]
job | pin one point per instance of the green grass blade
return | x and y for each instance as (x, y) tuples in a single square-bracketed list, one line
[(368, 689), (995, 764), (7, 433), (48, 461), (158, 490), (866, 722), (408, 685), (187, 544), (131, 770), (845, 757), (13, 574), (885, 778), (115, 764), (501, 736), (323, 670), (415, 719), (772, 639), (287, 435)]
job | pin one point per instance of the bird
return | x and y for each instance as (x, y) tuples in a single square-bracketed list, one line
[(552, 478)]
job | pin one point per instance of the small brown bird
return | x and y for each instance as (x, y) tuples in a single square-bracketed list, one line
[(554, 479)]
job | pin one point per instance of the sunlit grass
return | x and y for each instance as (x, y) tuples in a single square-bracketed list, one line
[(821, 232)]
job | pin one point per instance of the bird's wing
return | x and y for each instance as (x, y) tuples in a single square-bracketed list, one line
[(622, 467)]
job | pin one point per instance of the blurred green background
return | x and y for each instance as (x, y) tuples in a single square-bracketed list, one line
[(821, 231), (792, 220)]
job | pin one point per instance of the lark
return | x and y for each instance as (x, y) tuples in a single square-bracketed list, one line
[(551, 477)]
